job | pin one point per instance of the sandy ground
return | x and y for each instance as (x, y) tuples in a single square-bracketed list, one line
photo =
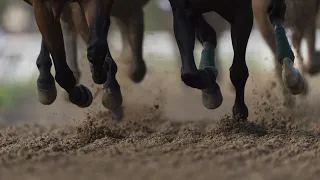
[(166, 134)]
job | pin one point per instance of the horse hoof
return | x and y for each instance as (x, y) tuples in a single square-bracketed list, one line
[(98, 74), (137, 71), (117, 114), (47, 95), (292, 78), (84, 99), (212, 97), (111, 99), (240, 112)]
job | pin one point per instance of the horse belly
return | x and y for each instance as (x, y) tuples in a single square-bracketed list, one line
[(224, 7), (121, 7)]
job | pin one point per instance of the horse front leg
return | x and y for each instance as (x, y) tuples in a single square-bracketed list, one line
[(51, 32), (184, 30), (241, 27)]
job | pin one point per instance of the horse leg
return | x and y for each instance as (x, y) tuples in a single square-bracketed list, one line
[(52, 35), (46, 89), (184, 30), (126, 52), (70, 40), (95, 13), (133, 27), (211, 97), (104, 68), (267, 33), (313, 63), (241, 27)]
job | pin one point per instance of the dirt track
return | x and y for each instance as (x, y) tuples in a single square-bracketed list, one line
[(167, 134)]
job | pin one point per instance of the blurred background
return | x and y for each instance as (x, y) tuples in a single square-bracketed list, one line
[(20, 45)]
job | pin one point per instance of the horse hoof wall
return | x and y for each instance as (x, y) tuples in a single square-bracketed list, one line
[(137, 71), (111, 99), (47, 96), (240, 112), (212, 97), (292, 78), (86, 97)]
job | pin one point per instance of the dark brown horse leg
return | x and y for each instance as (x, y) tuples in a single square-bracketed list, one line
[(46, 89), (211, 97), (184, 30), (137, 67), (96, 12), (104, 68), (241, 27), (52, 35)]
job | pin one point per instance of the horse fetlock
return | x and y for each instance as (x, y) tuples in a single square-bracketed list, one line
[(97, 52), (65, 79), (137, 71), (99, 76), (81, 96), (239, 76), (292, 78), (200, 79), (212, 97)]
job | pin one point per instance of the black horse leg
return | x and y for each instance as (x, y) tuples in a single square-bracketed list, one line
[(211, 97), (46, 89), (104, 68), (184, 30), (241, 27), (95, 13), (52, 35)]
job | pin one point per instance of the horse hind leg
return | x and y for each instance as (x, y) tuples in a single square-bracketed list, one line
[(211, 97), (132, 28), (241, 27), (52, 35)]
